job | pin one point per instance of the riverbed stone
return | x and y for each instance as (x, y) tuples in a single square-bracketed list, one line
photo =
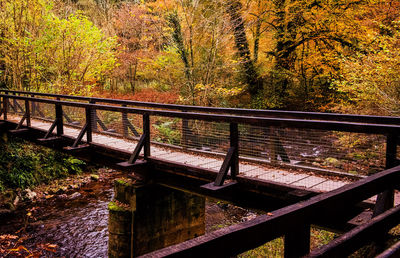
[(74, 195), (29, 194)]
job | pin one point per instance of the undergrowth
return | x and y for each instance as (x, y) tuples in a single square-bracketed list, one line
[(23, 164)]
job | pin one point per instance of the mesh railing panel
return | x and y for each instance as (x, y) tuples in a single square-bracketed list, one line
[(355, 153), (43, 111)]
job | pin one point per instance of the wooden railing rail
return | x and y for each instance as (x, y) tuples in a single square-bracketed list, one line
[(229, 111), (368, 128)]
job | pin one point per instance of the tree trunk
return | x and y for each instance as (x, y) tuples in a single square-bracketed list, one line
[(250, 73)]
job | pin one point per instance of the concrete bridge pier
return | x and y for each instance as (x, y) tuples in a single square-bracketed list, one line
[(147, 217)]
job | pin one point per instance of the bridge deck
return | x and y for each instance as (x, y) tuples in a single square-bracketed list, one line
[(290, 177)]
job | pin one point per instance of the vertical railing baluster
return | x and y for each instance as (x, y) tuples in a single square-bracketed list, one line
[(60, 120), (27, 113), (33, 106), (385, 200), (15, 103), (146, 131), (89, 124), (185, 128), (234, 143), (5, 107), (94, 117), (125, 121)]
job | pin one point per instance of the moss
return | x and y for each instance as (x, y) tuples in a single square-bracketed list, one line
[(114, 206), (94, 177), (123, 181)]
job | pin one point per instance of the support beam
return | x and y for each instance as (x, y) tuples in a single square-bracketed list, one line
[(28, 113), (79, 139), (47, 137), (231, 160), (135, 154), (144, 143), (223, 172)]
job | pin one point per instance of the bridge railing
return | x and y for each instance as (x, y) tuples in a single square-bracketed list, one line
[(293, 223), (349, 146)]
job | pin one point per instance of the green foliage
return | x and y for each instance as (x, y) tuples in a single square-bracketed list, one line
[(24, 165), (43, 51), (168, 132)]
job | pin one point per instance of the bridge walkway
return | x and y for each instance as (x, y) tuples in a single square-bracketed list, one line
[(290, 177)]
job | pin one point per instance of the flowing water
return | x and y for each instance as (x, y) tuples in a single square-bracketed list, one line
[(78, 227)]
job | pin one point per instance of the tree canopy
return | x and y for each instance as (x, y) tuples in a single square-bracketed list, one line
[(319, 55)]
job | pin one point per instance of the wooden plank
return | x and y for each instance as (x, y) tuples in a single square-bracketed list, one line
[(310, 181), (291, 178)]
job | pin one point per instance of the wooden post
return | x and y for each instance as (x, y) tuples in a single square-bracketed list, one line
[(234, 143), (297, 242), (27, 113), (125, 121), (15, 103), (273, 155), (185, 128), (89, 124), (385, 200), (93, 117), (60, 120), (33, 106), (5, 107), (146, 131)]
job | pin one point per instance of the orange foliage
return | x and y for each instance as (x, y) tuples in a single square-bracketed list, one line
[(145, 95)]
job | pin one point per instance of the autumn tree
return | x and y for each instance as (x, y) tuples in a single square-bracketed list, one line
[(43, 52), (140, 36)]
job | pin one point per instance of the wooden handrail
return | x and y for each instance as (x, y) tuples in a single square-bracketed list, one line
[(229, 111), (260, 121)]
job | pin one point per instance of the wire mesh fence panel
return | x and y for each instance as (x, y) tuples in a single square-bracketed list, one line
[(74, 120), (209, 137), (166, 130), (116, 129), (42, 111), (107, 121), (16, 106), (197, 142), (355, 153)]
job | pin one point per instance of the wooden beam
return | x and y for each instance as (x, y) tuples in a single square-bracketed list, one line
[(78, 139), (391, 252), (359, 236), (135, 154), (223, 172)]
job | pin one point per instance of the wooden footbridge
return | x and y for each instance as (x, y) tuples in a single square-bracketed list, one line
[(304, 168)]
